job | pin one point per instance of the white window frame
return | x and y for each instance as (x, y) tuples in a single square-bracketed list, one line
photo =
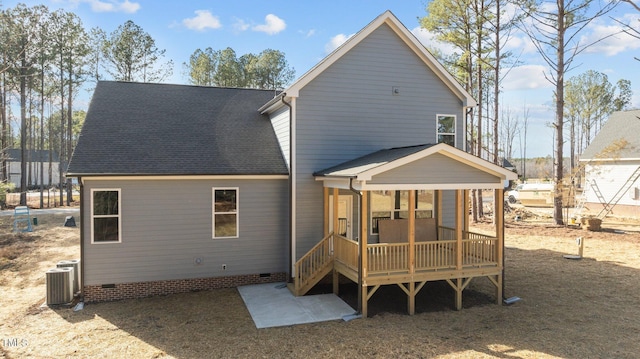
[(119, 215), (455, 124), (213, 211)]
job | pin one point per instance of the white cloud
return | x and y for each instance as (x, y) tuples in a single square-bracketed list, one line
[(240, 25), (125, 6), (129, 7), (526, 77), (335, 42), (428, 39), (202, 21), (272, 25), (614, 41), (520, 44), (309, 33)]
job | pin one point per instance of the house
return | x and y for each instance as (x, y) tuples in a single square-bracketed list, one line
[(42, 165), (612, 168), (356, 169)]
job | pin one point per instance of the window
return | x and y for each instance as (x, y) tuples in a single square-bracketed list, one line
[(447, 129), (390, 205), (105, 216), (225, 213)]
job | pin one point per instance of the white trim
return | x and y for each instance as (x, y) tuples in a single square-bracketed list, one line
[(213, 211), (419, 186), (293, 167), (405, 35), (455, 127), (596, 160), (180, 177), (92, 216), (444, 149)]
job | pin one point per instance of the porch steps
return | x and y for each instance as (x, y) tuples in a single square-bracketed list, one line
[(310, 281), (313, 266)]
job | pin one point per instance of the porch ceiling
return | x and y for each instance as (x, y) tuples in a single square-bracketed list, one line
[(427, 166)]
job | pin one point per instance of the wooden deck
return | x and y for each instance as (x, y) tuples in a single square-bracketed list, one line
[(395, 263)]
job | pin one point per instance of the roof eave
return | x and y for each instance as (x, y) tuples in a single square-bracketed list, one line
[(411, 40)]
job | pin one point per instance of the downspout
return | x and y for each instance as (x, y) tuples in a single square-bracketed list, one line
[(360, 209), (82, 262), (291, 204), (467, 110)]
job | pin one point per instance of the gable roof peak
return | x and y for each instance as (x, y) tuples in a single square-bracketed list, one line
[(389, 19)]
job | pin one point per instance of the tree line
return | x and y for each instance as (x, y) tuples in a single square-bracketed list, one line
[(479, 30), (48, 57)]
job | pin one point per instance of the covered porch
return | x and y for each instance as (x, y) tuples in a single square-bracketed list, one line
[(424, 237)]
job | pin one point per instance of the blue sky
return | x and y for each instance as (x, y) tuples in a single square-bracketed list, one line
[(306, 31)]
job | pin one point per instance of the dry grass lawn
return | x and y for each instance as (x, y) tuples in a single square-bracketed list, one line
[(570, 309)]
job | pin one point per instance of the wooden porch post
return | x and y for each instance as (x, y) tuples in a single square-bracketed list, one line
[(412, 240), (465, 204), (460, 201), (498, 213), (335, 210), (438, 200), (364, 293), (326, 211), (335, 204)]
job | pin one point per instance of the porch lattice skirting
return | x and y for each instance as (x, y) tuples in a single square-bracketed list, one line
[(111, 292)]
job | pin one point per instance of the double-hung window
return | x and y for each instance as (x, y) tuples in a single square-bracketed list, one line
[(390, 205), (106, 224), (225, 213), (446, 129)]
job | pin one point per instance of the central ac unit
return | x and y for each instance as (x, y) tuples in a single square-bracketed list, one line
[(59, 285), (75, 264)]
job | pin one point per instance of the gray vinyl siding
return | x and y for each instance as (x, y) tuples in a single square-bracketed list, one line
[(280, 123), (167, 224), (436, 168), (350, 110)]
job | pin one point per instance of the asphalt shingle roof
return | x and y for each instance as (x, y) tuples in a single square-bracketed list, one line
[(159, 129), (622, 125), (353, 167)]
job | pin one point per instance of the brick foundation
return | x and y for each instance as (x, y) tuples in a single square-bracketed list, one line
[(104, 293)]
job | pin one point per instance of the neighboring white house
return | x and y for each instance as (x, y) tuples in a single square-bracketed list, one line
[(612, 167), (38, 167)]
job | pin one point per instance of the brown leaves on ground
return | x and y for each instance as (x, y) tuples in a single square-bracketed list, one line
[(569, 309)]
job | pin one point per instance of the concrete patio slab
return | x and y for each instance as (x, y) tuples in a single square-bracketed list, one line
[(273, 305)]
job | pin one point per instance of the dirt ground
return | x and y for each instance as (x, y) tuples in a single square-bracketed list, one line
[(584, 308)]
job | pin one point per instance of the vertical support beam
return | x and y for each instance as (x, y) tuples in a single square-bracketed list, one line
[(412, 231), (438, 200), (498, 213), (412, 251), (364, 210), (335, 210), (458, 293), (412, 297), (459, 226), (466, 206), (335, 204), (326, 210), (460, 216)]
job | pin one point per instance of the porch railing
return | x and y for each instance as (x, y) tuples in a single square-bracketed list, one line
[(387, 258), (313, 265), (435, 255), (393, 258), (346, 252)]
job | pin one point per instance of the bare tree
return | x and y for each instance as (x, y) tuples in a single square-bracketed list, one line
[(554, 28)]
